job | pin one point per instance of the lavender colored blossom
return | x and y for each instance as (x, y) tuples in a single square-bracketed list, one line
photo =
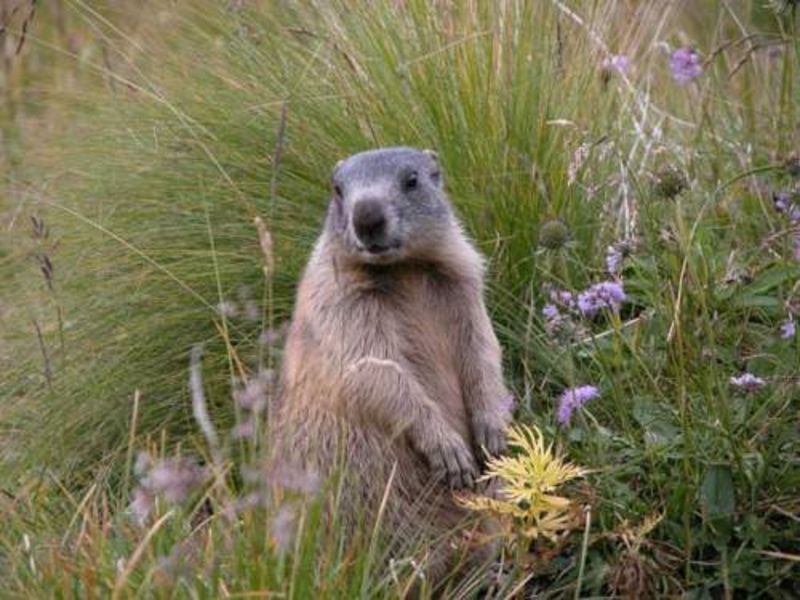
[(562, 297), (573, 399), (227, 309), (142, 505), (550, 312), (606, 294), (246, 430), (250, 308), (784, 204), (616, 253), (274, 336), (555, 322), (244, 503), (620, 63), (685, 65), (747, 382), (174, 478), (143, 463), (286, 477), (614, 258), (284, 528), (255, 394), (787, 329), (294, 479), (782, 201)]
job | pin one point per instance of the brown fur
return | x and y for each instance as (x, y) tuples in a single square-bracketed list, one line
[(395, 366)]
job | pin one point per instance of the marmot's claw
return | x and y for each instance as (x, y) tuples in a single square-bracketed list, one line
[(454, 464), (490, 438)]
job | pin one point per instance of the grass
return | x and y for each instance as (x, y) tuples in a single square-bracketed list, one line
[(148, 144)]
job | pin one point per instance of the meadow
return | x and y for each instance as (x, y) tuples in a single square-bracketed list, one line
[(630, 170)]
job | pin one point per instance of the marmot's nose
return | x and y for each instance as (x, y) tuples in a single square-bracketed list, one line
[(369, 222)]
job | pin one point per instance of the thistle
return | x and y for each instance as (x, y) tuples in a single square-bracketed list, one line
[(526, 503), (554, 234), (669, 182)]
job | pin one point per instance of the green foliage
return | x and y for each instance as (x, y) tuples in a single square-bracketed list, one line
[(179, 124)]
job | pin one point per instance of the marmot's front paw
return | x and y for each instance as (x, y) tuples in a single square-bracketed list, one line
[(490, 435), (452, 460)]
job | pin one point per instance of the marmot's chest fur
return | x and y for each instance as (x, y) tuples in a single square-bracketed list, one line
[(424, 304)]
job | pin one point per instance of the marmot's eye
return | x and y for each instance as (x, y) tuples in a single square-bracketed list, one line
[(337, 189), (411, 181), (435, 176)]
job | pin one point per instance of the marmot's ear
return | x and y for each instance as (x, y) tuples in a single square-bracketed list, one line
[(337, 165), (336, 213), (436, 176)]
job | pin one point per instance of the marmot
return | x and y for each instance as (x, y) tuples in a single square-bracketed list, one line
[(391, 362)]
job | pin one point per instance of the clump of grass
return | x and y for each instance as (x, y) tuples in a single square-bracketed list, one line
[(151, 187)]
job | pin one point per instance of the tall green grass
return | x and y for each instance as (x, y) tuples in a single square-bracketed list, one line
[(167, 149)]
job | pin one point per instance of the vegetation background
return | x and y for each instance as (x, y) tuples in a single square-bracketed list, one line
[(141, 139)]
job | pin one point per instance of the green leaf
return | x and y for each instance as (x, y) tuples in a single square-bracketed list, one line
[(657, 421), (755, 301), (773, 277), (717, 493)]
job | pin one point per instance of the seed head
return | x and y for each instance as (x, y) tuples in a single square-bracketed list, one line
[(554, 234), (669, 183)]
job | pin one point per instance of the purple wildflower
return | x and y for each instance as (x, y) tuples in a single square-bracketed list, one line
[(287, 477), (550, 312), (606, 294), (572, 399), (255, 394), (274, 336), (227, 309), (556, 322), (244, 503), (620, 63), (616, 254), (284, 527), (782, 201), (174, 478), (685, 65), (786, 206), (562, 297), (143, 463), (614, 258), (246, 430), (787, 329), (142, 505), (251, 310), (747, 382)]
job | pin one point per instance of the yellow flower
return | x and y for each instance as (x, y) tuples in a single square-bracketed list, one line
[(527, 481)]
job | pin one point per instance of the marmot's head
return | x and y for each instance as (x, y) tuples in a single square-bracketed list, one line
[(389, 205)]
